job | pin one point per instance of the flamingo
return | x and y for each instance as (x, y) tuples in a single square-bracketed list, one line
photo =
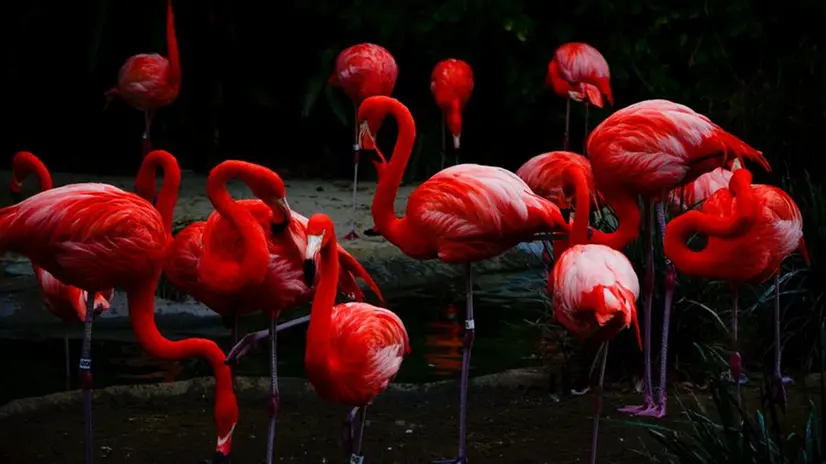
[(579, 72), (698, 190), (594, 288), (96, 237), (452, 86), (649, 149), (362, 71), (354, 350), (283, 287), (148, 82), (462, 214), (754, 226), (64, 301)]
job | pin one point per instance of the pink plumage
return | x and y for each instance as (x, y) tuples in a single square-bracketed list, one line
[(580, 72), (452, 85), (543, 174), (654, 146), (594, 290), (697, 191), (365, 70)]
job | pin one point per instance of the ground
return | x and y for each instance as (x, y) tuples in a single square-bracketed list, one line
[(506, 425)]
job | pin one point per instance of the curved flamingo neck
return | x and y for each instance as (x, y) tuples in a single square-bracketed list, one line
[(384, 214), (680, 229), (26, 163), (318, 333), (171, 184), (228, 276), (575, 176), (627, 212), (141, 302), (174, 71)]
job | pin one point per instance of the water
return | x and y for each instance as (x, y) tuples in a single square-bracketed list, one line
[(33, 364)]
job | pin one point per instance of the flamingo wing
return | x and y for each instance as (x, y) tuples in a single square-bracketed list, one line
[(475, 212), (585, 69), (143, 84), (92, 236), (365, 70), (64, 301)]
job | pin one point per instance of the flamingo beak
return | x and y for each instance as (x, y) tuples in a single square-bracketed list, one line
[(314, 243), (281, 205)]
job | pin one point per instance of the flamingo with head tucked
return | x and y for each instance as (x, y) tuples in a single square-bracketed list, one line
[(362, 71), (695, 192), (452, 86), (579, 72), (64, 301), (649, 149), (462, 214), (750, 230), (96, 237), (149, 82), (354, 350)]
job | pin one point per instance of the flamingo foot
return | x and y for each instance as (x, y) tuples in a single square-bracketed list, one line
[(352, 235), (647, 404), (657, 411), (219, 458), (451, 461), (245, 345)]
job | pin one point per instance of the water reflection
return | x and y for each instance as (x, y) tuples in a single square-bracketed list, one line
[(443, 343)]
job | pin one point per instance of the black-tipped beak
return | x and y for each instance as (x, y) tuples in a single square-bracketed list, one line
[(309, 272), (278, 227)]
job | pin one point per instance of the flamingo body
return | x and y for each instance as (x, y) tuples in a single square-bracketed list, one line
[(654, 146), (471, 212), (698, 190), (365, 70), (452, 85), (543, 174), (579, 71), (143, 82), (367, 345)]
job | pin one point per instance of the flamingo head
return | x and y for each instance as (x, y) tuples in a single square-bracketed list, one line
[(271, 190), (320, 231)]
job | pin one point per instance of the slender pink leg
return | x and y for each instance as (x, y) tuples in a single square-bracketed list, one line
[(356, 158), (778, 381), (736, 361), (444, 142), (585, 137), (85, 374), (598, 405), (273, 410), (648, 297), (146, 142), (567, 124)]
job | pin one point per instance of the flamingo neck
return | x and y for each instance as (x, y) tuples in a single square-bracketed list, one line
[(318, 333), (174, 71), (26, 163), (386, 222), (731, 227), (453, 117), (627, 212), (171, 184), (141, 301), (575, 176), (227, 276)]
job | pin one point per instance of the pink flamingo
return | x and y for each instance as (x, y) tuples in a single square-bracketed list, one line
[(579, 72), (148, 82), (649, 149), (363, 71), (462, 214), (64, 301), (452, 86), (354, 350)]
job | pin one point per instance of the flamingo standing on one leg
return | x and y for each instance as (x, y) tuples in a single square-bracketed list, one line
[(148, 82), (452, 86), (462, 214), (96, 237), (649, 149), (750, 230), (354, 350), (594, 287), (64, 301), (363, 71), (579, 72)]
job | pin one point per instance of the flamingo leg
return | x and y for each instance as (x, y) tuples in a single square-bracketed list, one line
[(470, 333), (567, 123), (273, 388), (85, 374), (778, 381), (348, 433), (585, 136), (146, 142), (251, 339), (598, 404), (735, 362), (444, 141), (356, 457), (356, 158), (648, 299), (67, 360)]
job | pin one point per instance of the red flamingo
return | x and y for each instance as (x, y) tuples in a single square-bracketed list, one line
[(363, 71), (148, 82), (579, 72), (649, 149), (283, 286), (452, 86), (594, 288), (96, 237), (64, 301), (754, 226), (462, 214), (354, 350)]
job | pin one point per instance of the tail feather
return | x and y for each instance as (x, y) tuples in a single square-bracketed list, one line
[(593, 93), (743, 151)]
